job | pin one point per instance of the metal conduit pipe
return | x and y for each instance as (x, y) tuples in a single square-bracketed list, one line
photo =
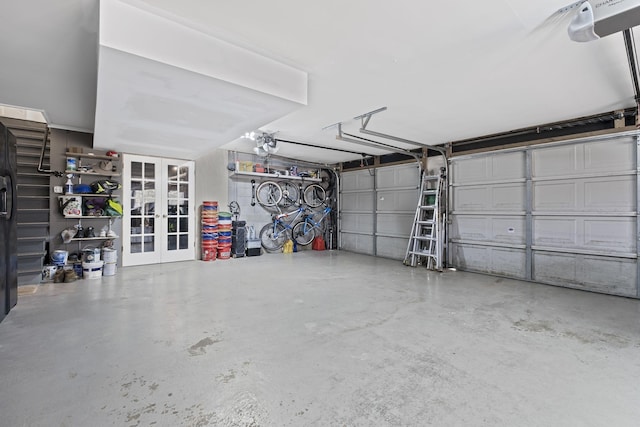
[(632, 57), (550, 127)]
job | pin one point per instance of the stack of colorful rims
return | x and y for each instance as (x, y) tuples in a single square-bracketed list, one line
[(224, 235), (209, 216)]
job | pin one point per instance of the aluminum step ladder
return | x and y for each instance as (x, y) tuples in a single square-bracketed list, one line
[(426, 242)]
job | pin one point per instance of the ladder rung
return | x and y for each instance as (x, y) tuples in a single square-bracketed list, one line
[(428, 207), (430, 192), (422, 253), (425, 239), (428, 222)]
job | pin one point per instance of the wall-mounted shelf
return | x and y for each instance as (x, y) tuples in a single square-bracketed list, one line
[(276, 176), (113, 196), (85, 239), (92, 173), (91, 156), (90, 216)]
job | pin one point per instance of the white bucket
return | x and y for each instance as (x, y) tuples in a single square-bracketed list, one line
[(109, 269), (92, 270), (48, 271), (109, 255), (90, 254)]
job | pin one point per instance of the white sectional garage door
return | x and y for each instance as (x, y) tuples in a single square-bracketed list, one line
[(377, 209), (357, 199), (487, 200), (562, 214)]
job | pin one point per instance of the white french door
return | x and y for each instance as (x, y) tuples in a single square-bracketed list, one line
[(159, 220)]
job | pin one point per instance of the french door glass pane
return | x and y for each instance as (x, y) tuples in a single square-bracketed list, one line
[(150, 171), (149, 244), (172, 242), (184, 241), (136, 170), (172, 172)]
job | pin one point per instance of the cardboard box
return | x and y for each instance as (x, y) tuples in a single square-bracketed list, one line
[(246, 166)]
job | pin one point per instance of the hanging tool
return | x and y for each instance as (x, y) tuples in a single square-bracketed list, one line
[(253, 192)]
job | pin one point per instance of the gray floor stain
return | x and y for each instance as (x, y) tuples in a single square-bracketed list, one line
[(531, 326), (578, 337), (199, 348), (226, 378)]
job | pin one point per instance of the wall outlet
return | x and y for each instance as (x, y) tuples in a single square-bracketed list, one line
[(57, 189)]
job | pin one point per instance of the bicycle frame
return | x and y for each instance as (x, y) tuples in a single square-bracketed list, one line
[(308, 220), (277, 219)]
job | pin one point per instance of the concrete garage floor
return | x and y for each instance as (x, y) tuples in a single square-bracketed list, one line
[(317, 338)]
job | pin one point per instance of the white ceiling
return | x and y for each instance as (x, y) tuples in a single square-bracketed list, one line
[(446, 70)]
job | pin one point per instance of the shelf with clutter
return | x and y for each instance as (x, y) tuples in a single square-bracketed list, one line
[(248, 168)]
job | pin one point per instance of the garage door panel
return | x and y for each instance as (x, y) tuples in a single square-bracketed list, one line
[(509, 197), (503, 197), (399, 200), (606, 194), (509, 229), (558, 232), (602, 274), (358, 202), (596, 157), (392, 247), (353, 181), (358, 243), (554, 161), (484, 259), (607, 235), (359, 223), (610, 194), (555, 196), (503, 166), (398, 177), (395, 224), (609, 155), (610, 234)]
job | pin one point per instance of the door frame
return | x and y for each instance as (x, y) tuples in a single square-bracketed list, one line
[(160, 254)]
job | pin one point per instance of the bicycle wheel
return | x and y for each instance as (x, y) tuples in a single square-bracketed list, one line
[(289, 194), (303, 233), (314, 195), (268, 193), (273, 237)]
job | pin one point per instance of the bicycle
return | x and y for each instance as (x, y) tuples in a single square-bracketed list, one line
[(305, 231), (270, 194), (275, 234)]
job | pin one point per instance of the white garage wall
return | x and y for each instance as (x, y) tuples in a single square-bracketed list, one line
[(563, 214)]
